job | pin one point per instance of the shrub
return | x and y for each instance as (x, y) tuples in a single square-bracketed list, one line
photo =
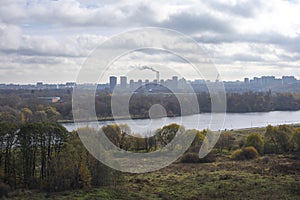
[(280, 136), (209, 158), (246, 153), (255, 140), (190, 158), (270, 148), (295, 140)]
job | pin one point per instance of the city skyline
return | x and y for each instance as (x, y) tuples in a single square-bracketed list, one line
[(123, 82)]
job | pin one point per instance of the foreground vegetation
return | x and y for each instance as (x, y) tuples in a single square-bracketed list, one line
[(42, 160), (269, 177)]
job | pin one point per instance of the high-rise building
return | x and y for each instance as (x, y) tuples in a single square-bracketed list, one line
[(131, 84), (140, 82), (288, 79), (162, 81), (39, 85), (175, 82), (123, 82), (112, 82), (182, 83)]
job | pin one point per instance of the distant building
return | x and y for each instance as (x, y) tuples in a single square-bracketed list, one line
[(257, 80), (112, 82), (131, 84), (246, 80), (147, 84), (123, 82), (267, 80), (162, 81), (288, 79), (182, 83), (39, 85), (174, 82), (70, 84), (140, 83)]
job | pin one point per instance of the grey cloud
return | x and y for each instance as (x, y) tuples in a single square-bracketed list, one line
[(246, 58), (247, 8), (52, 46), (192, 23), (291, 44), (289, 58), (38, 60), (121, 14)]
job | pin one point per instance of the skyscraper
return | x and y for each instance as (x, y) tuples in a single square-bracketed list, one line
[(123, 82), (112, 82)]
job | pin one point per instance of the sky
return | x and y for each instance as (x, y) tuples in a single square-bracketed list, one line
[(49, 40)]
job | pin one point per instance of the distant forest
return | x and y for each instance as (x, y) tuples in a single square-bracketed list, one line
[(15, 104)]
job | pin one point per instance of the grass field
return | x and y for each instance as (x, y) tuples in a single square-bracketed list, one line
[(268, 177)]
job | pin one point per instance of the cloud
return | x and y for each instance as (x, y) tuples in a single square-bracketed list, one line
[(246, 8), (10, 36), (193, 23), (12, 42), (40, 36)]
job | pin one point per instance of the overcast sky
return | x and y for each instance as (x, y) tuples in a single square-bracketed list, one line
[(48, 40)]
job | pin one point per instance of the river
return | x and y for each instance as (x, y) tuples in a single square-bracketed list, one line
[(202, 121)]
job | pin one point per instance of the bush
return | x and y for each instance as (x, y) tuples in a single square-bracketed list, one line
[(246, 153), (209, 158), (295, 140), (255, 140), (280, 136), (270, 148), (190, 158)]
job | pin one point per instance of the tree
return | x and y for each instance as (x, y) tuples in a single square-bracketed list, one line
[(40, 116), (39, 144), (28, 144), (165, 135), (69, 168), (255, 140), (26, 115), (198, 140), (225, 141), (113, 133), (279, 136), (52, 114), (7, 141)]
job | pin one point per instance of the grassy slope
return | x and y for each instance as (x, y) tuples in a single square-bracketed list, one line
[(272, 177), (269, 177)]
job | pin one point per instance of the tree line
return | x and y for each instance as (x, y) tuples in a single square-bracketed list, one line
[(13, 104), (45, 156)]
